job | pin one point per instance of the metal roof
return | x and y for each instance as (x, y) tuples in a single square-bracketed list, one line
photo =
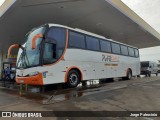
[(109, 18)]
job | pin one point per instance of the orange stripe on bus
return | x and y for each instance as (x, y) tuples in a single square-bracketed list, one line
[(11, 47), (32, 80), (35, 39)]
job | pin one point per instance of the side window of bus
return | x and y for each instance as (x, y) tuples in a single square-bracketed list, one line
[(92, 43), (131, 52), (116, 48), (49, 53), (124, 50), (105, 46), (136, 53), (76, 40), (59, 35)]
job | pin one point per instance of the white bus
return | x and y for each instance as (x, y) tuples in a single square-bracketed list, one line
[(55, 53)]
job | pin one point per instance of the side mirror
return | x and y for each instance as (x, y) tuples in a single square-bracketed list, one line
[(13, 46), (150, 66), (35, 39)]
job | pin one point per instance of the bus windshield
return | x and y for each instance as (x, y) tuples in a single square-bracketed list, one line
[(47, 51), (29, 57)]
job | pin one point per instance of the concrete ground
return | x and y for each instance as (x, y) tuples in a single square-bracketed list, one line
[(140, 94)]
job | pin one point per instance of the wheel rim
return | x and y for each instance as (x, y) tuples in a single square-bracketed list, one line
[(73, 78)]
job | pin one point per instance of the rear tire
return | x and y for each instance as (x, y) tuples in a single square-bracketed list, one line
[(73, 78), (129, 75)]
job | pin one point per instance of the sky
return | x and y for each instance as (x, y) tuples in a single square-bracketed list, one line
[(148, 10)]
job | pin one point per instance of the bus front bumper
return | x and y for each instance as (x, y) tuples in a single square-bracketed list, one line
[(31, 80)]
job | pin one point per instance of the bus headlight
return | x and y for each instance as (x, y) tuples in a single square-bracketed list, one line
[(34, 73)]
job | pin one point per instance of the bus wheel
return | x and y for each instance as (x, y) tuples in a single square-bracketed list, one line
[(129, 75), (73, 78)]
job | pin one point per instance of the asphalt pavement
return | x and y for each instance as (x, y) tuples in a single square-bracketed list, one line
[(138, 94)]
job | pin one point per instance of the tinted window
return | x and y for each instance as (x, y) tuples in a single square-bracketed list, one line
[(124, 50), (136, 53), (76, 40), (116, 48), (49, 53), (92, 43), (105, 46), (131, 51), (57, 36)]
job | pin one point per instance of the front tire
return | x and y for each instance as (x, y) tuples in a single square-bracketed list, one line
[(73, 78)]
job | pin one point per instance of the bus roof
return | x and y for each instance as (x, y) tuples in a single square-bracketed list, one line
[(88, 33)]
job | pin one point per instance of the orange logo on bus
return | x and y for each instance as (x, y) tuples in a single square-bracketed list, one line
[(110, 58)]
